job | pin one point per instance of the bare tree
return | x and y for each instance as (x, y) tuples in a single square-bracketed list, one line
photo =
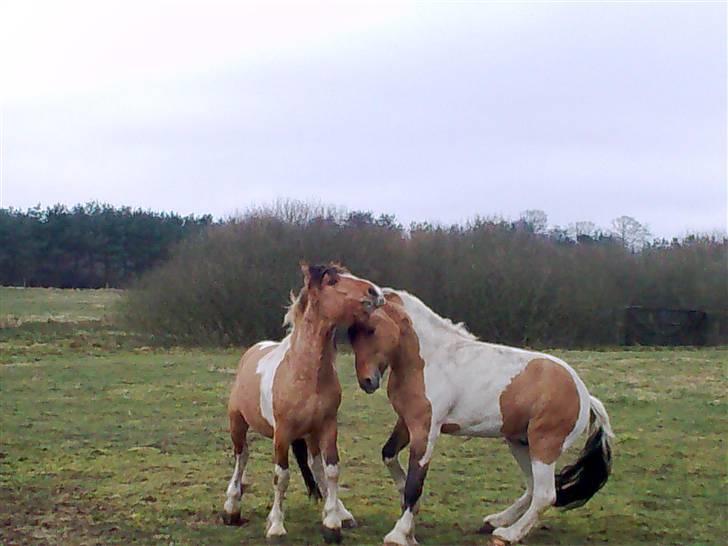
[(582, 228), (536, 219), (632, 234)]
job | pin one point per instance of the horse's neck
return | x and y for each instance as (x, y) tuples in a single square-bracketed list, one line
[(428, 339), (408, 359), (313, 342)]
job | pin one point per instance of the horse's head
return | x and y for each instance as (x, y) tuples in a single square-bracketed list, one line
[(338, 295), (375, 342)]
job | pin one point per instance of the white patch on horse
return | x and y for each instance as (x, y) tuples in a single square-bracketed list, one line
[(544, 495), (262, 345), (234, 489), (266, 369), (331, 513), (275, 518), (404, 530)]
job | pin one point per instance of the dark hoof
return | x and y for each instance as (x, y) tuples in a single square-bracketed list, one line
[(233, 519), (331, 536), (486, 529), (277, 539)]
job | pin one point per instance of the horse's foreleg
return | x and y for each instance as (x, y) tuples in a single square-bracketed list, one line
[(280, 484), (331, 513), (544, 495), (398, 440), (420, 451), (234, 492), (516, 510)]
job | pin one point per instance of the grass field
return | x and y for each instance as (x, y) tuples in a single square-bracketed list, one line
[(19, 305), (104, 440)]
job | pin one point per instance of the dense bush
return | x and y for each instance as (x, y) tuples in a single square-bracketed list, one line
[(509, 282)]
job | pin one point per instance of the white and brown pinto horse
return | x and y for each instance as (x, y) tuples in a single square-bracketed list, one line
[(289, 391), (443, 380)]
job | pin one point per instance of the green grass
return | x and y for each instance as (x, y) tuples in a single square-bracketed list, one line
[(117, 444), (19, 305)]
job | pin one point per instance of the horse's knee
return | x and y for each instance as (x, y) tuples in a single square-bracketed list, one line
[(238, 430)]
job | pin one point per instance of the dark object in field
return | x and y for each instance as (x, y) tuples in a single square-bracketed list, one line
[(233, 519), (486, 529), (655, 326), (331, 536)]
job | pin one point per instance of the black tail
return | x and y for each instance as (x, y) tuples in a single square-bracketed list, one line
[(577, 483), (301, 453)]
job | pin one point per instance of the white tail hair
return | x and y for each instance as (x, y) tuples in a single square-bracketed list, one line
[(602, 417)]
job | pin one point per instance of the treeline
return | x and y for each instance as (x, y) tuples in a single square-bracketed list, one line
[(87, 246), (511, 282)]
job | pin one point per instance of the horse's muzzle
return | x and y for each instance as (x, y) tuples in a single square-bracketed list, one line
[(377, 297), (370, 384)]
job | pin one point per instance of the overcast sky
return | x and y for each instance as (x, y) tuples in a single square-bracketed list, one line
[(431, 111)]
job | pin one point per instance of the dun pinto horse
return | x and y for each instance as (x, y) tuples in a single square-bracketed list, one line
[(443, 380), (289, 391)]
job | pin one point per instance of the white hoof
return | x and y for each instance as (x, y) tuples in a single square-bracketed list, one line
[(232, 506), (506, 534), (347, 519), (494, 520), (275, 530), (332, 521), (396, 537)]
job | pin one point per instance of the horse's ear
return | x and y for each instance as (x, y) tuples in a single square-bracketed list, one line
[(313, 275), (330, 276)]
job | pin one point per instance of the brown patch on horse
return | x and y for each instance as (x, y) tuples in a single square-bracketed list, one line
[(394, 298), (449, 428), (245, 394), (541, 403), (406, 386)]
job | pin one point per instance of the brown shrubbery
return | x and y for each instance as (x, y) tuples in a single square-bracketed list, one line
[(508, 283)]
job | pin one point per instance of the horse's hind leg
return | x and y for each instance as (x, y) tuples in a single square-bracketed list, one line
[(544, 495), (238, 433), (315, 462), (516, 510)]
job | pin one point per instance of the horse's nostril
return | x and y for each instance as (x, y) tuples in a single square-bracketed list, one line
[(373, 292), (369, 384)]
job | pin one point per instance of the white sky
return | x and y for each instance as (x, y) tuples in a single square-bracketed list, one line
[(431, 111)]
